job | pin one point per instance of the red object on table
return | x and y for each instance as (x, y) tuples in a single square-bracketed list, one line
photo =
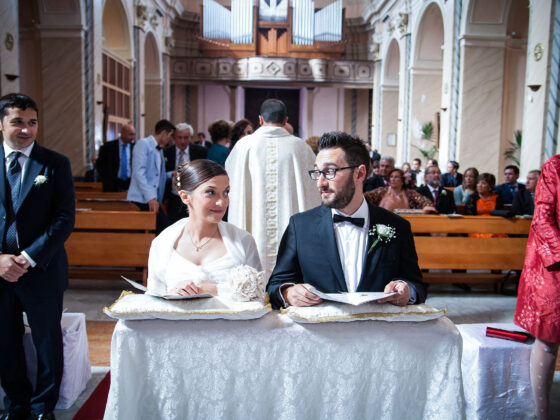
[(519, 336)]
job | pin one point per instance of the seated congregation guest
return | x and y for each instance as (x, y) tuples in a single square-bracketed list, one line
[(524, 200), (507, 190), (195, 254), (410, 179), (452, 178), (220, 133), (313, 142), (468, 187), (240, 129), (442, 199), (331, 247), (484, 200), (398, 196)]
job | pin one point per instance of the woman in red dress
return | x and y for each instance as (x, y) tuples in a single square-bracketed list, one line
[(538, 302)]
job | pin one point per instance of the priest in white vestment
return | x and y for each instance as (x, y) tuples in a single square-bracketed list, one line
[(268, 173)]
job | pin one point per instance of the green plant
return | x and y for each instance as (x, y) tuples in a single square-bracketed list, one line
[(514, 149), (428, 134)]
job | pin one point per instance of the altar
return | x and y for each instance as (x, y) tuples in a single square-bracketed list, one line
[(273, 367)]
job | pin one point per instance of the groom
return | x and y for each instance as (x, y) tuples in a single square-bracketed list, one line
[(334, 247), (37, 211)]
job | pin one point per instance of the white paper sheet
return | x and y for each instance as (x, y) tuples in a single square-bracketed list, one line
[(167, 297), (352, 298)]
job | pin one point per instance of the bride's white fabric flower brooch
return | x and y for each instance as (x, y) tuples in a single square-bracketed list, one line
[(384, 233), (40, 180)]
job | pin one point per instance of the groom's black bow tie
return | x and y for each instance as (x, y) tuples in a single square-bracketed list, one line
[(358, 221)]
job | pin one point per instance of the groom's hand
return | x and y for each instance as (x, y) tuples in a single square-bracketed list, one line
[(299, 295), (403, 293), (10, 270)]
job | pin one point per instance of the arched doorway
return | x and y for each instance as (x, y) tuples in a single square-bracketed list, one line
[(116, 70), (152, 84), (426, 82), (390, 100)]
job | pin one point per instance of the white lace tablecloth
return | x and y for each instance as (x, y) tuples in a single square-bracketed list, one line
[(496, 374), (274, 368)]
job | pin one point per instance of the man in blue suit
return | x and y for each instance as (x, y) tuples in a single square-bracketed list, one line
[(335, 247), (508, 189), (147, 184), (37, 208)]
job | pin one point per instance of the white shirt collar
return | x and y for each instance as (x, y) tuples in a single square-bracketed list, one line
[(25, 151), (363, 211)]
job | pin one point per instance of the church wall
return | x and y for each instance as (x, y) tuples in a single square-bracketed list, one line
[(425, 102), (213, 104), (480, 106), (328, 111), (63, 98)]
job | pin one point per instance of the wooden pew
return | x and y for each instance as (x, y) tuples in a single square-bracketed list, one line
[(88, 186), (98, 200), (463, 252), (106, 244)]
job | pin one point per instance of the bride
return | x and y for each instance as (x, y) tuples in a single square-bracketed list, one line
[(195, 254)]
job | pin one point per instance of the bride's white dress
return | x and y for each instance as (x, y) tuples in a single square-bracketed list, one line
[(181, 271), (168, 270)]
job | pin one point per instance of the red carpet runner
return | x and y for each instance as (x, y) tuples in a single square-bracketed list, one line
[(94, 407)]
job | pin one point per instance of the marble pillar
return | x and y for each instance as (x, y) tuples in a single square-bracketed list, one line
[(9, 49), (389, 123), (536, 81)]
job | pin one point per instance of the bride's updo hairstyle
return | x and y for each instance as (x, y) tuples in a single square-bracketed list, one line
[(190, 175)]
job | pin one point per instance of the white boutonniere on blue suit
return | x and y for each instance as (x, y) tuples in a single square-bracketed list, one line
[(40, 180), (384, 233)]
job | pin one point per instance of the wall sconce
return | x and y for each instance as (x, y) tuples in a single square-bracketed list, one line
[(11, 77), (444, 109), (534, 88), (99, 102)]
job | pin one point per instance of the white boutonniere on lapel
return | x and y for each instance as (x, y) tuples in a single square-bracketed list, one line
[(384, 233), (443, 192), (40, 180)]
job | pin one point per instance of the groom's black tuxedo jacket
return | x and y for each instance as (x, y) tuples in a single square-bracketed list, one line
[(308, 253), (44, 220)]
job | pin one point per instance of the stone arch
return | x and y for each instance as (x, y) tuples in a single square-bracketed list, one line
[(426, 80), (116, 30), (152, 83), (389, 125)]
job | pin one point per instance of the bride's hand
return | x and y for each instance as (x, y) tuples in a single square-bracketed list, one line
[(189, 289), (208, 288)]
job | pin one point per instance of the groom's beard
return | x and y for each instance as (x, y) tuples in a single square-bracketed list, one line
[(341, 198)]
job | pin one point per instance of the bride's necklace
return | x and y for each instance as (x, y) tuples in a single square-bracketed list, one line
[(200, 244)]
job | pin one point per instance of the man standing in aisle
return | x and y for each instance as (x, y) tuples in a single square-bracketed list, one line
[(269, 183), (183, 151), (37, 207), (115, 160), (147, 184)]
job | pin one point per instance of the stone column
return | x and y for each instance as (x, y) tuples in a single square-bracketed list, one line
[(9, 49), (538, 143)]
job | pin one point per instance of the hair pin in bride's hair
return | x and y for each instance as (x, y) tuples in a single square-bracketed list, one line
[(178, 181)]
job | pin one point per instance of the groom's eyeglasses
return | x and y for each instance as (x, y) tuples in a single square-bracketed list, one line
[(329, 173)]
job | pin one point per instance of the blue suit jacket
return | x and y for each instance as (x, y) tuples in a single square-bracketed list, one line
[(505, 193), (147, 181), (308, 253), (44, 220)]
